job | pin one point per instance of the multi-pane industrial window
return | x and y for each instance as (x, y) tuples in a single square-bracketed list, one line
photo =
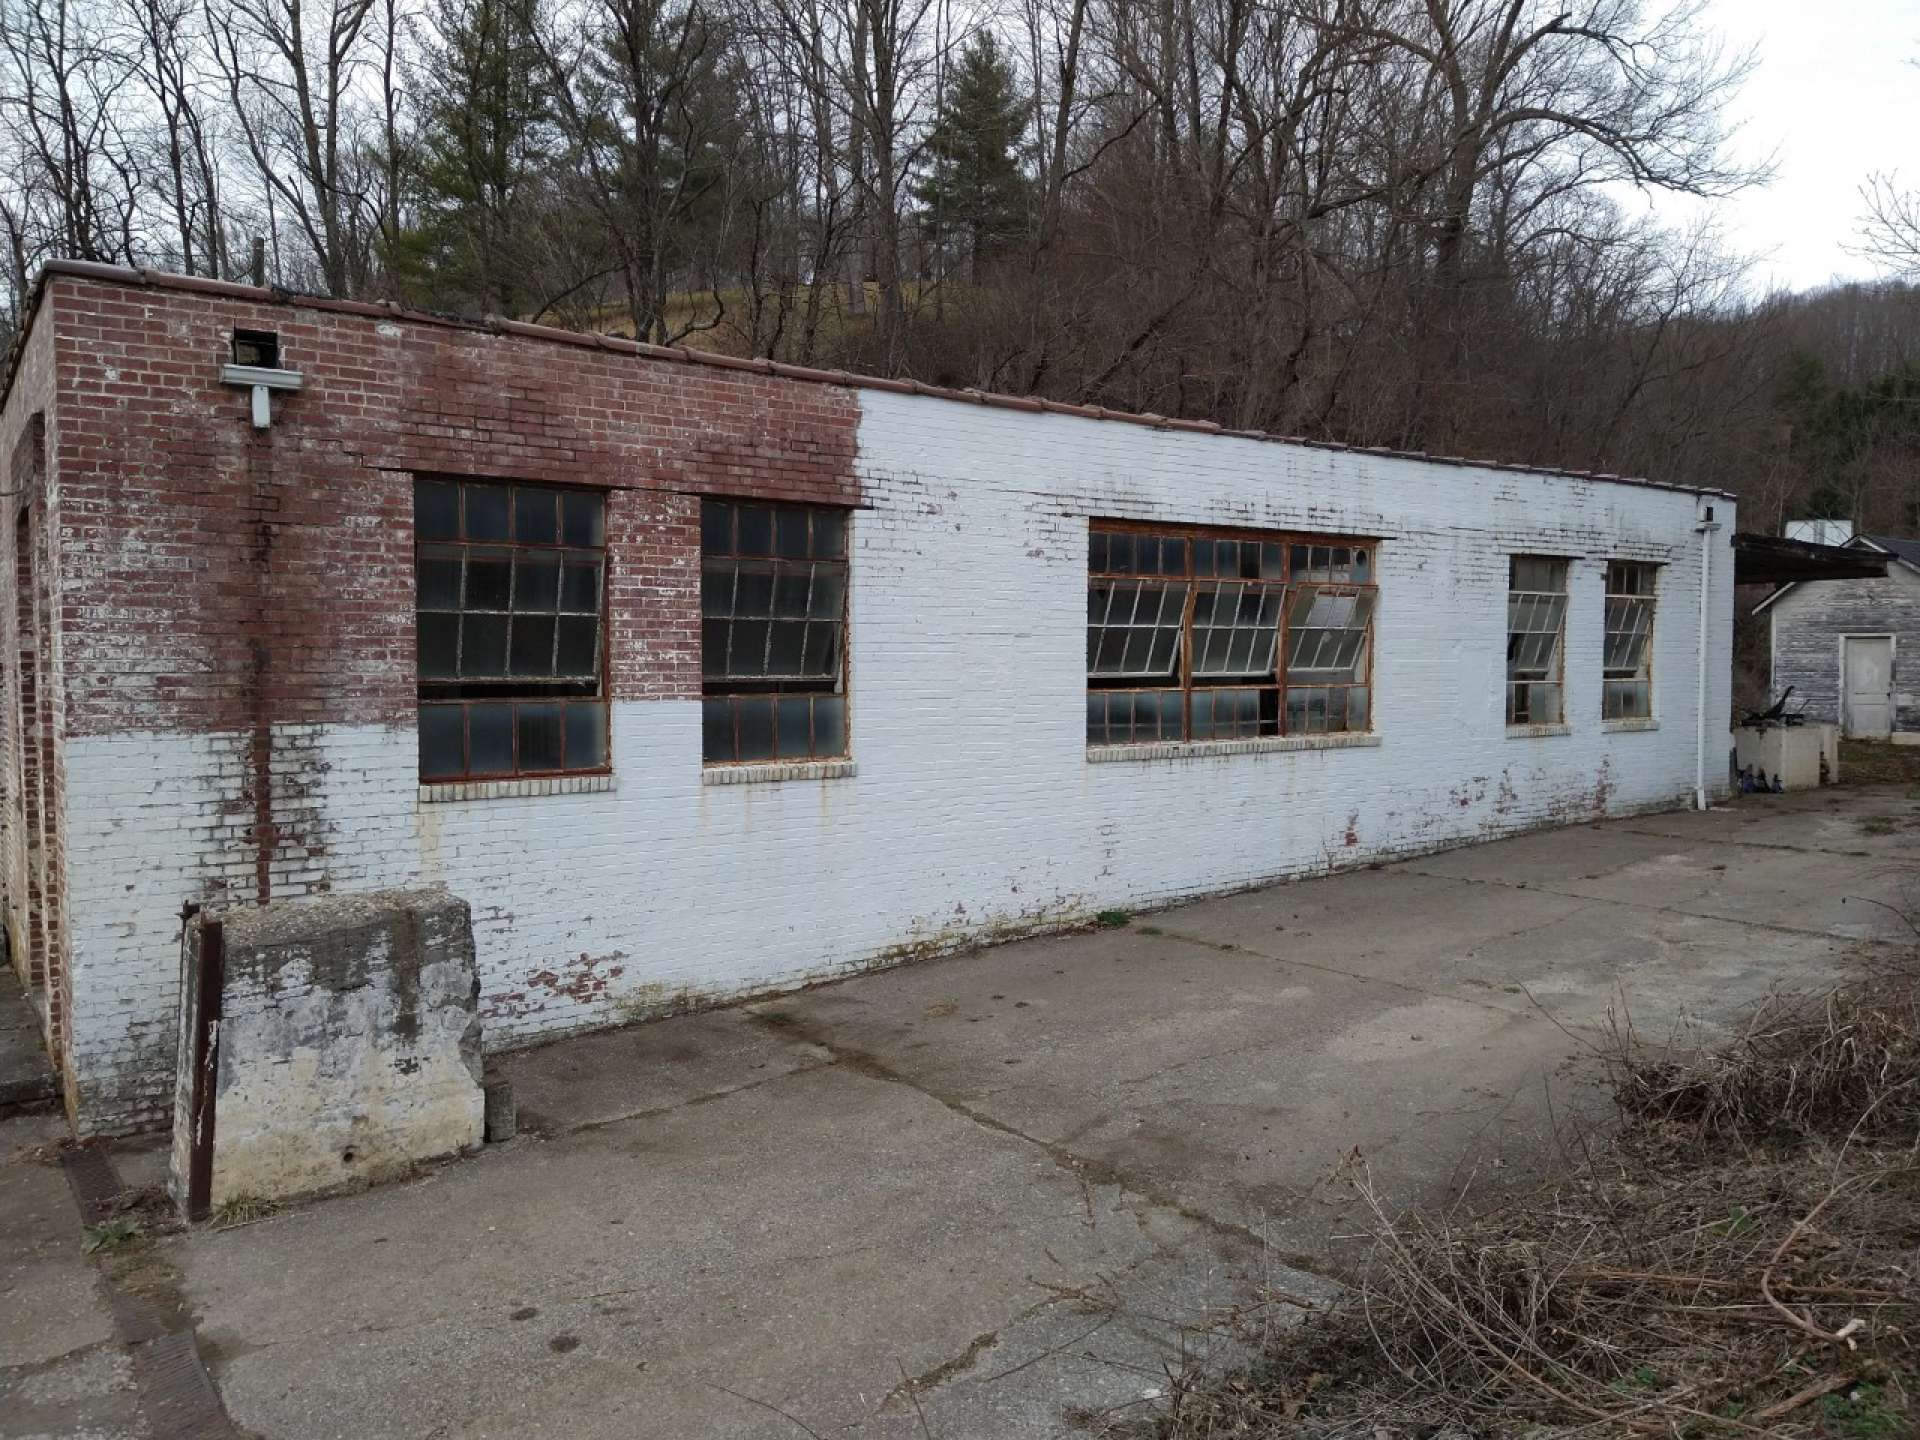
[(1536, 627), (1212, 635), (773, 629), (510, 629), (1627, 667)]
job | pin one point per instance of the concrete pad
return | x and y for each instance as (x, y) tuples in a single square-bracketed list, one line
[(1849, 821), (623, 1073), (26, 1072), (50, 1302), (810, 1244), (982, 1195), (62, 1371)]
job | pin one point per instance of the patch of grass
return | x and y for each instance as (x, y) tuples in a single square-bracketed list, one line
[(1881, 824), (108, 1236), (1876, 762), (1151, 930), (1865, 1412), (1736, 1224), (1114, 919), (243, 1210)]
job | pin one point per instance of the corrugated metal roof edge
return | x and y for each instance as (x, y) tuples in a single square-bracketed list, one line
[(494, 324)]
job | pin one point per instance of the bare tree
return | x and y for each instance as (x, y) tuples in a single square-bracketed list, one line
[(1889, 228), (168, 49), (77, 179), (291, 70)]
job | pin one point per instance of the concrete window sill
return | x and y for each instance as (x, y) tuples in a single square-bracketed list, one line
[(1200, 749), (1621, 727), (775, 773), (1537, 732), (442, 792)]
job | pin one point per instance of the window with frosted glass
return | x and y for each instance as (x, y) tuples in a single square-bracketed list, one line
[(510, 629)]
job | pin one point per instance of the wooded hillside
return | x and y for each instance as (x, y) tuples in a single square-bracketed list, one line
[(1390, 222)]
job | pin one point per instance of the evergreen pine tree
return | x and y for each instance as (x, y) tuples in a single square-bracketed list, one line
[(483, 142), (975, 189)]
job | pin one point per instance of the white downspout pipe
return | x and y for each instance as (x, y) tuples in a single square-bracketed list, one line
[(1707, 528)]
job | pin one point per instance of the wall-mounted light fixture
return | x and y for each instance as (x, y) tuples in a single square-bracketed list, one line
[(256, 365)]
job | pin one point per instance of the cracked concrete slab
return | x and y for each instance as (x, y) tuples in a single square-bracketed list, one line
[(62, 1370), (996, 1194), (808, 1245), (623, 1073)]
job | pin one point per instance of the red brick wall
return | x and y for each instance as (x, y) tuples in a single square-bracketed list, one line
[(32, 814), (219, 576)]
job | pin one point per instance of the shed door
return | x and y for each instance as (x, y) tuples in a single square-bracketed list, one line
[(1866, 677)]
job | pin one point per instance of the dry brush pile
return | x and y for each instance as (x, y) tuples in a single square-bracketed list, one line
[(1743, 1258)]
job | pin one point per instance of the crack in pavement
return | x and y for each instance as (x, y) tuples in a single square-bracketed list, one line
[(1234, 948), (1763, 845), (537, 1125), (1100, 1172), (1532, 888)]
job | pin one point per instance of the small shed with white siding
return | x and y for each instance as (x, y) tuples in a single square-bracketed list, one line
[(1851, 648)]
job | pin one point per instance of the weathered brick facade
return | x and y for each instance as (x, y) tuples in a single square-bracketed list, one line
[(229, 693)]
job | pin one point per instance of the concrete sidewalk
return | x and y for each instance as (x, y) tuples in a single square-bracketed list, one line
[(996, 1195)]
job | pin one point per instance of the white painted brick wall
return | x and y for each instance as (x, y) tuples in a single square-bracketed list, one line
[(974, 811)]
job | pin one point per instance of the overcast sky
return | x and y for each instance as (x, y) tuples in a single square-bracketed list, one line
[(1835, 98)]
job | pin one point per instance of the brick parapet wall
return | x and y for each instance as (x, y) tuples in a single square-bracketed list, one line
[(192, 540)]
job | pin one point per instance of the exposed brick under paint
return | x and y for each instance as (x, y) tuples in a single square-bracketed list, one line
[(235, 689)]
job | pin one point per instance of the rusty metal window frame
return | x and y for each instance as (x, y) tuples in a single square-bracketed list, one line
[(773, 632), (1536, 639), (498, 524), (1250, 632), (1626, 675)]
